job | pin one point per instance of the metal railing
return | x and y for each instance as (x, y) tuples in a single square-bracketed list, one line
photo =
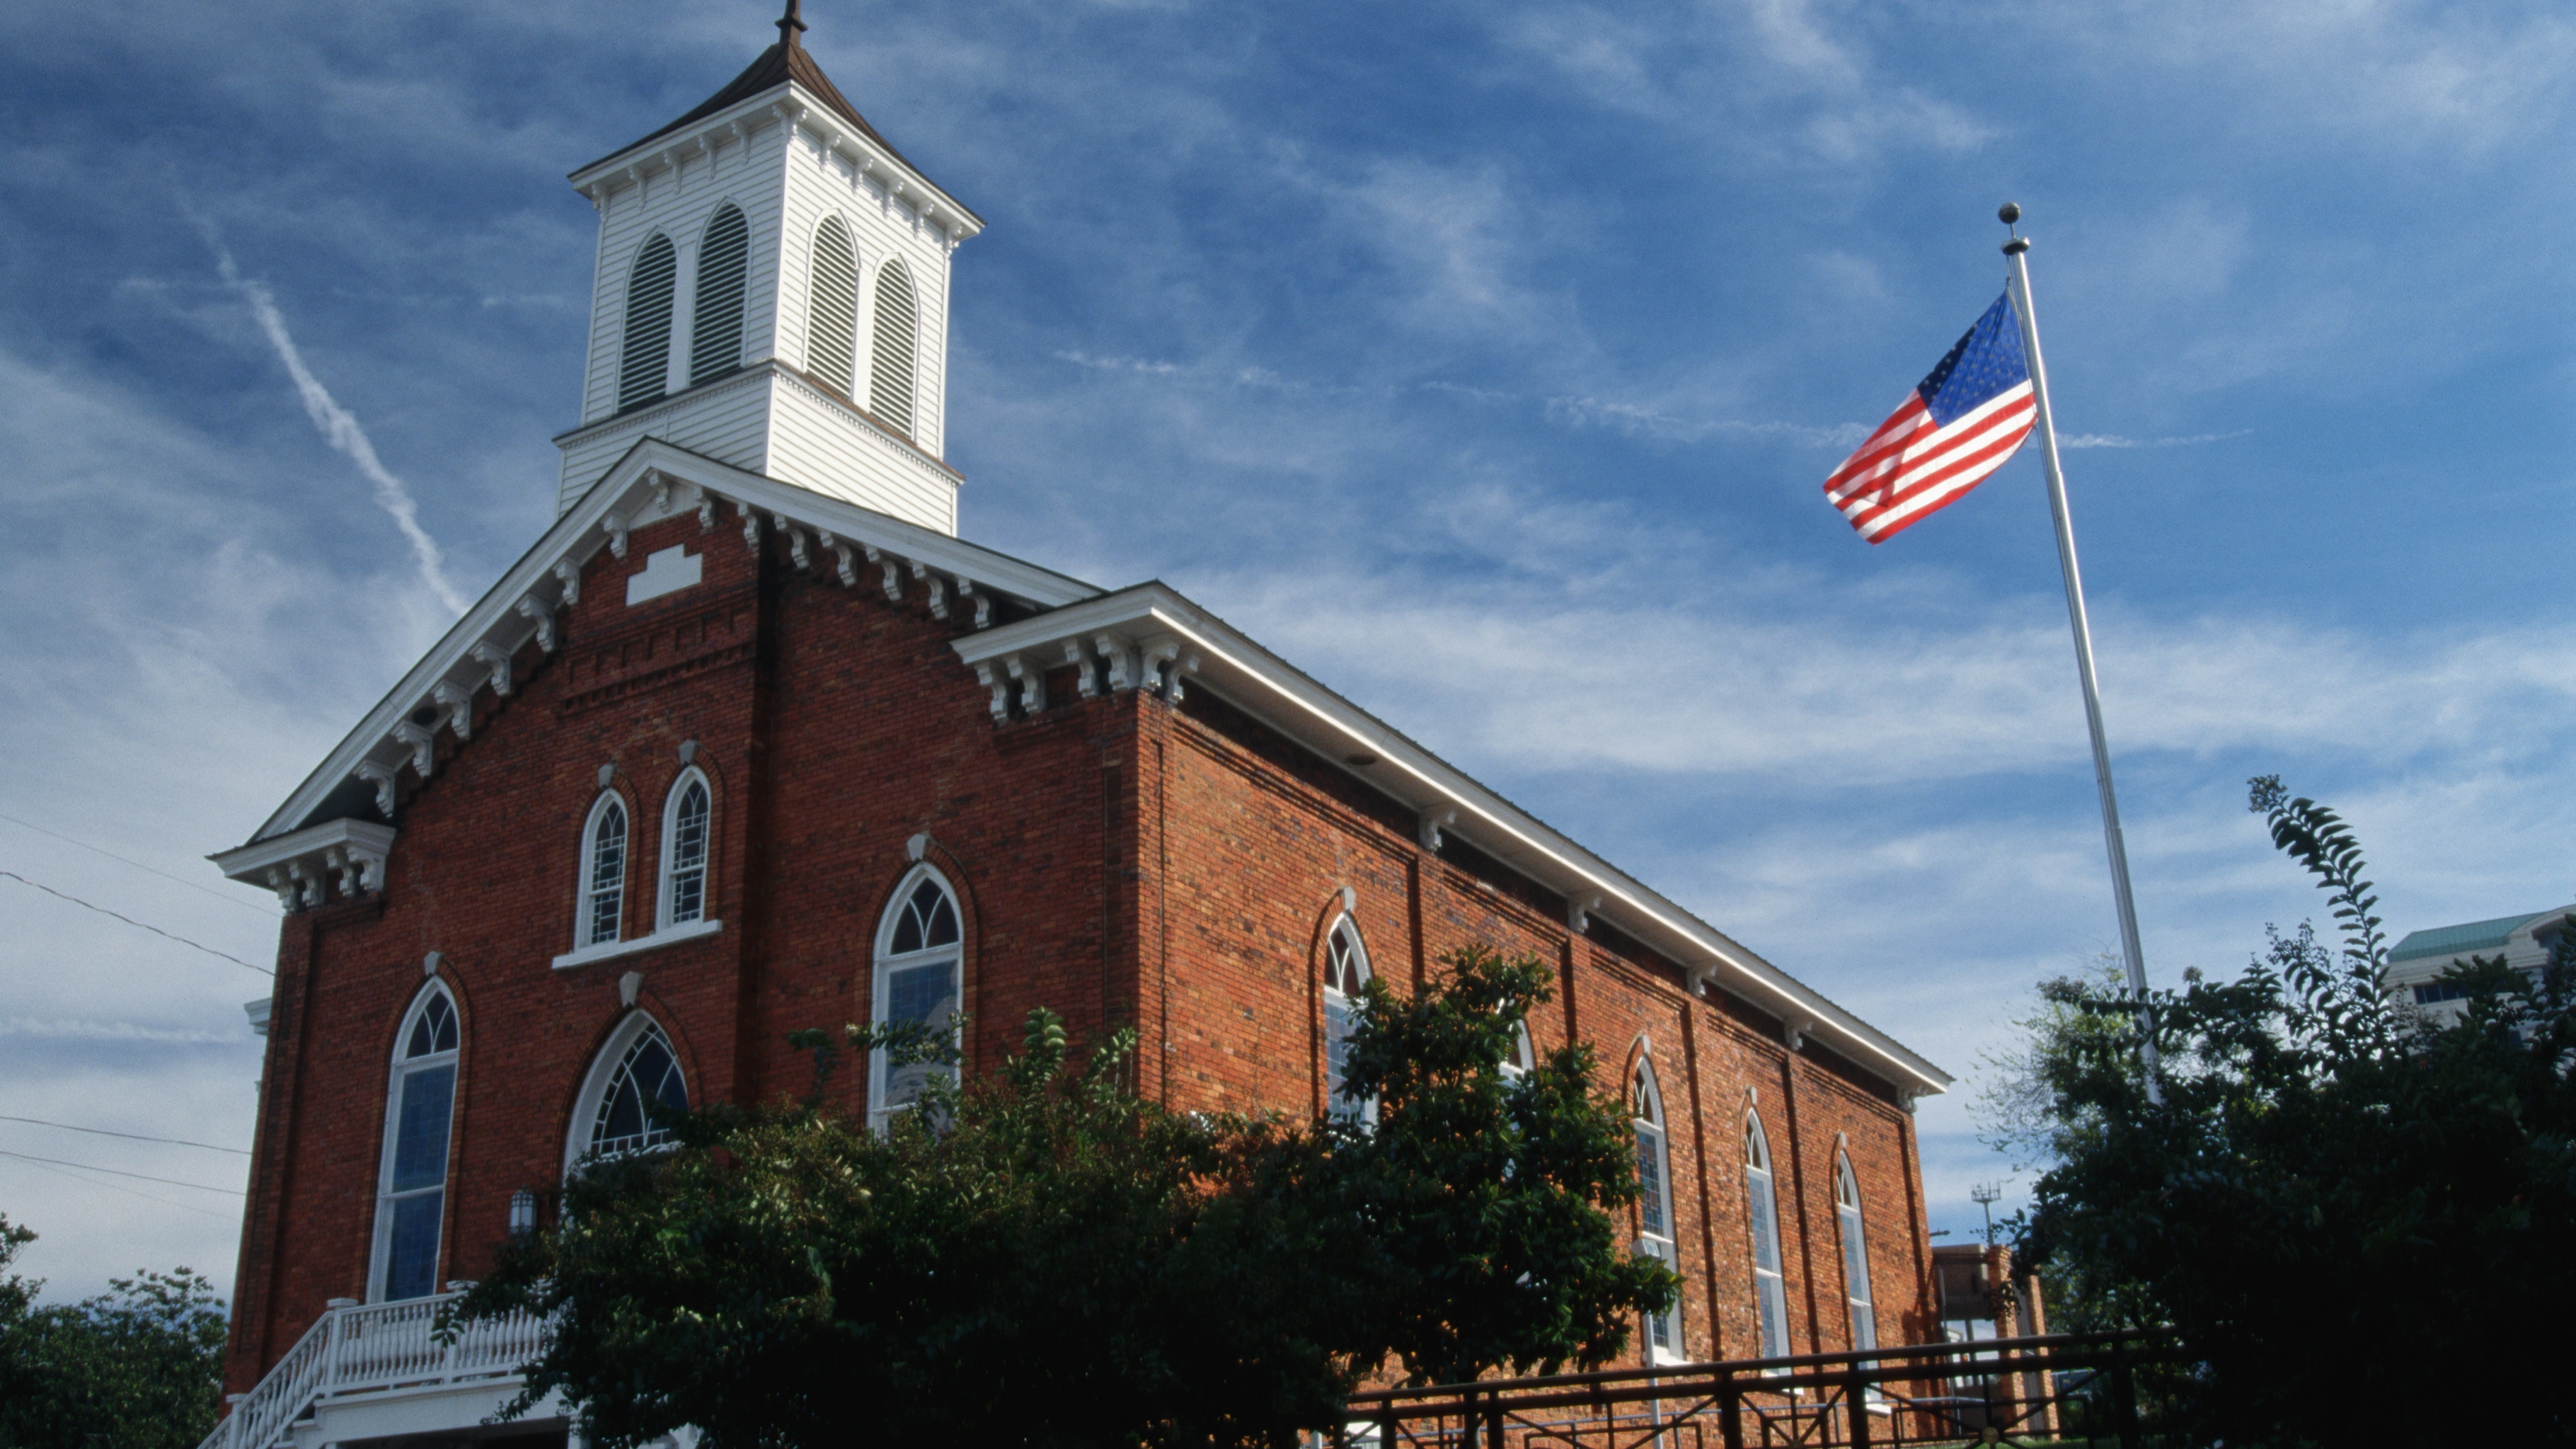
[(369, 1349), (2057, 1389)]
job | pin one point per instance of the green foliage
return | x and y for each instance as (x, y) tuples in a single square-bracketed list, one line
[(140, 1367), (1480, 1197), (2351, 1211), (1040, 1257)]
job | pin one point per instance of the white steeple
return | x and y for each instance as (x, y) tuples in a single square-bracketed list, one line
[(772, 292)]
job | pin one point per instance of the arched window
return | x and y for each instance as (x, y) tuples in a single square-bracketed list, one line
[(715, 336), (1864, 1318), (636, 1067), (603, 873), (684, 851), (1655, 1206), (1522, 1058), (1346, 970), (1770, 1292), (832, 307), (890, 360), (411, 1185), (644, 368), (919, 978)]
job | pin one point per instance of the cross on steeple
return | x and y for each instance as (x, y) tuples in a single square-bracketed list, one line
[(790, 23)]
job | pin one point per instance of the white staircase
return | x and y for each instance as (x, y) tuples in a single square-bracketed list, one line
[(374, 1349)]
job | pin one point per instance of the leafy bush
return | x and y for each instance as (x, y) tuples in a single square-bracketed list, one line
[(139, 1367), (2360, 1218)]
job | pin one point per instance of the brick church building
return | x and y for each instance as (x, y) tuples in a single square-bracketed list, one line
[(751, 740)]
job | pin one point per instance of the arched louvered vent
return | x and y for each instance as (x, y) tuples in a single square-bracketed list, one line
[(832, 326), (644, 371), (890, 362), (715, 342)]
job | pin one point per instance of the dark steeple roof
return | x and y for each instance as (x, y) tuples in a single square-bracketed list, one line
[(779, 64)]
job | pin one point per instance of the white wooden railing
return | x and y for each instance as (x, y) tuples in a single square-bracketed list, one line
[(369, 1349)]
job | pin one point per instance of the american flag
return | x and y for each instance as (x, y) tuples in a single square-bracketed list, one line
[(1960, 424)]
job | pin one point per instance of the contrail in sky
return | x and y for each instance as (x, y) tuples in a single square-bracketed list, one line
[(339, 427)]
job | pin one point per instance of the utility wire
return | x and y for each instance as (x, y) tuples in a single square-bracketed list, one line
[(132, 1192), (129, 920), (114, 1172), (138, 865), (130, 1136)]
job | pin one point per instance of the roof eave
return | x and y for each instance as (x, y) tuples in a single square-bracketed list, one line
[(1334, 728)]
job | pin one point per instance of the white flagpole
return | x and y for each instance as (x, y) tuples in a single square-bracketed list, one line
[(2132, 957)]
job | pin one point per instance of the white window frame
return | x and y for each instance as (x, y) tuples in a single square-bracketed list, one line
[(1344, 929), (881, 980), (1522, 1058), (582, 911), (1858, 1301), (380, 1251), (1654, 1147), (602, 1076), (668, 875), (1762, 1218)]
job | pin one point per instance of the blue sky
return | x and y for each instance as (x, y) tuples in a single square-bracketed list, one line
[(1485, 359)]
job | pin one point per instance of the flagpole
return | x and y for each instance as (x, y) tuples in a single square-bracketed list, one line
[(2017, 251)]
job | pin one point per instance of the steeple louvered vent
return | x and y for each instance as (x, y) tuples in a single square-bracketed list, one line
[(644, 371), (715, 341), (890, 362), (832, 327)]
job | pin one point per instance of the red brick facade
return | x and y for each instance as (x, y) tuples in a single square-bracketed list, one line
[(1120, 858)]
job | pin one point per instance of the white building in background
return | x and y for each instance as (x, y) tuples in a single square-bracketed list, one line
[(2416, 964)]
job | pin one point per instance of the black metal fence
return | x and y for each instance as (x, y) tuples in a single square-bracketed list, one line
[(2058, 1389)]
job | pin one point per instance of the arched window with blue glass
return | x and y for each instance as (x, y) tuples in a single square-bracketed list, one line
[(411, 1185), (635, 1070), (920, 979), (1655, 1229)]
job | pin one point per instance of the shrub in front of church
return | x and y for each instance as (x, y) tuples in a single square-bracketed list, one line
[(1040, 1257)]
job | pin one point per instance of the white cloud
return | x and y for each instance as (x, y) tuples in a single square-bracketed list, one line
[(341, 429)]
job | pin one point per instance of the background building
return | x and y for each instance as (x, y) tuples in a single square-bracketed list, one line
[(2416, 963), (751, 741)]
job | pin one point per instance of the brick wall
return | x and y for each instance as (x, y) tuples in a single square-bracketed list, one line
[(1122, 860)]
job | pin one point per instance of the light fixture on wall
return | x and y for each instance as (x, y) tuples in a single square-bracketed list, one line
[(523, 1213)]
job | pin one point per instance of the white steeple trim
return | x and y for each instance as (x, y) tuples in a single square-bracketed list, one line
[(1175, 636)]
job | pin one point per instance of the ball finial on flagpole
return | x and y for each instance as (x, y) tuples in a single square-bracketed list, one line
[(2008, 213)]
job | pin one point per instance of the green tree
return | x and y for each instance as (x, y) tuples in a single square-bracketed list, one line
[(2361, 1219), (1481, 1197), (1041, 1257), (139, 1367)]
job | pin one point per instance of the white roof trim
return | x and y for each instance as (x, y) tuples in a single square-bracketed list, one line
[(648, 484), (791, 103), (1154, 622)]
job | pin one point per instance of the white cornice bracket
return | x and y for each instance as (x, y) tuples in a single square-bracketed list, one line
[(1794, 1033), (492, 656), (1578, 911), (382, 776), (750, 526), (423, 745), (1432, 822), (543, 617), (989, 674), (459, 702), (614, 525), (1032, 678), (568, 574), (1075, 655)]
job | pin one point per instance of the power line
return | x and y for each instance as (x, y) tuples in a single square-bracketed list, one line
[(129, 920), (131, 1192), (130, 1136), (115, 1172), (138, 865)]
